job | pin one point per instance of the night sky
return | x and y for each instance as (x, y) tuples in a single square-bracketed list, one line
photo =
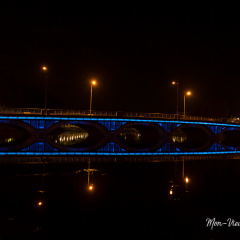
[(134, 49)]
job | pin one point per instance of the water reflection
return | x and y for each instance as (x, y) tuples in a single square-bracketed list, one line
[(90, 172), (191, 137), (42, 189), (130, 135), (179, 136), (179, 184), (69, 135), (8, 140), (71, 138), (140, 136), (11, 134), (134, 199)]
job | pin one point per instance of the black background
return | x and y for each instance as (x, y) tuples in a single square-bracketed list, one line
[(134, 50)]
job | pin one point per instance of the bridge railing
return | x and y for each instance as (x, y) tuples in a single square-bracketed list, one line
[(80, 112), (64, 112), (199, 118), (161, 115), (37, 111)]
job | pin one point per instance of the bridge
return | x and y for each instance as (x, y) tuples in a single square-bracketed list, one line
[(74, 133)]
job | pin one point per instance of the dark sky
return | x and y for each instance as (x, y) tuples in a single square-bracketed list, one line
[(134, 50)]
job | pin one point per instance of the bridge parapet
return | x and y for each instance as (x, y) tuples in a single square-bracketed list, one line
[(17, 111), (86, 113)]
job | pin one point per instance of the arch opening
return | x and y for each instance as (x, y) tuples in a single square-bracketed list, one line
[(231, 138), (190, 137), (76, 135), (12, 135), (139, 136)]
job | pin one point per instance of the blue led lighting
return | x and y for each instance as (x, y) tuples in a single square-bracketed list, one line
[(48, 118), (114, 124), (116, 154), (28, 153), (55, 153), (8, 117), (118, 120), (22, 117)]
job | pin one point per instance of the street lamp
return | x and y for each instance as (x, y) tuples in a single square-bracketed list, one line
[(176, 83), (44, 68), (188, 93), (93, 82)]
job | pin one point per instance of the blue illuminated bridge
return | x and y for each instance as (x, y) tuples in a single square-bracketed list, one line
[(59, 133)]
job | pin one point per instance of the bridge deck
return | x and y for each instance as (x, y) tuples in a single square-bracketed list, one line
[(109, 124), (85, 113)]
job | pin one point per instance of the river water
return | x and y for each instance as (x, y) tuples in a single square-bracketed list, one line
[(129, 200)]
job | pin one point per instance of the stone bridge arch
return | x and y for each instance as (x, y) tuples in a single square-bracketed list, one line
[(102, 130), (21, 126), (155, 128), (204, 128)]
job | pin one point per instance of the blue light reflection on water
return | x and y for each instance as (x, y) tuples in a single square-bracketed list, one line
[(130, 200)]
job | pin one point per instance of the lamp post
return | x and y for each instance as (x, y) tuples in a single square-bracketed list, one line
[(93, 82), (176, 83), (188, 93), (44, 68)]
